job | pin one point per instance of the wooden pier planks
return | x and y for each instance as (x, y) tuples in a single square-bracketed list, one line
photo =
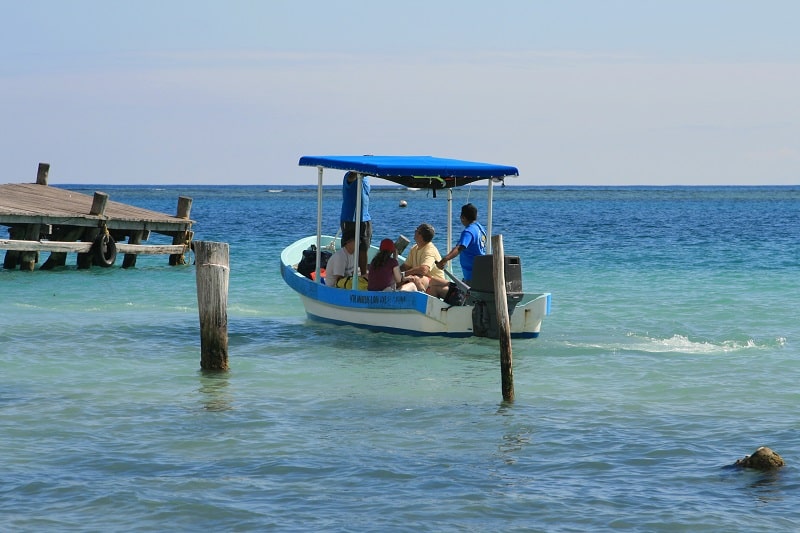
[(29, 203)]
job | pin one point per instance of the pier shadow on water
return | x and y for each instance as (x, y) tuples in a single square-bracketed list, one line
[(214, 394)]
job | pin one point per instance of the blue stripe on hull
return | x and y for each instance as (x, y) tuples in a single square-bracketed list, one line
[(385, 329), (407, 332)]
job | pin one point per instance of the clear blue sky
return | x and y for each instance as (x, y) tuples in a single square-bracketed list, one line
[(573, 92)]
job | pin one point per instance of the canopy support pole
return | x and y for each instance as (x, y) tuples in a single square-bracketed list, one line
[(489, 217), (320, 170), (357, 251), (449, 219)]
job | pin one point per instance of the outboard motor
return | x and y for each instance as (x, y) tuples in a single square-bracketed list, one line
[(482, 295)]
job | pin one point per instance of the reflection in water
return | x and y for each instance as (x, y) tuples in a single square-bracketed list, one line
[(213, 385), (767, 486), (515, 439), (513, 444)]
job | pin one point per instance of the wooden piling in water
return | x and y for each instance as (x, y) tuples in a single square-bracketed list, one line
[(503, 320), (129, 260), (98, 208), (11, 259), (99, 202), (212, 275), (184, 210), (59, 259), (28, 259), (42, 173)]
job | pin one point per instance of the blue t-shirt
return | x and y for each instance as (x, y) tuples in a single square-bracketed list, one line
[(473, 239), (349, 191)]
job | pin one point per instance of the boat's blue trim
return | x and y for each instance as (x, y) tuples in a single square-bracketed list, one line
[(414, 301), (386, 329)]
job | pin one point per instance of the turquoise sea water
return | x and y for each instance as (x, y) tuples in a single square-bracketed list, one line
[(671, 351)]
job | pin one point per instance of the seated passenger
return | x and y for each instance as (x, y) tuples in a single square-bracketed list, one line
[(384, 271), (339, 271), (420, 266)]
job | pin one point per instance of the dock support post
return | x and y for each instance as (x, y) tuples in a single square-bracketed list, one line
[(129, 260), (59, 259), (41, 173), (28, 260), (184, 210), (11, 260), (99, 202), (503, 321), (212, 303), (98, 208)]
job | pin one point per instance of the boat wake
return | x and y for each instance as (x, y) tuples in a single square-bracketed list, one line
[(682, 344)]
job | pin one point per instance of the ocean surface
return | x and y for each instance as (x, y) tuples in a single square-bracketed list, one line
[(672, 350)]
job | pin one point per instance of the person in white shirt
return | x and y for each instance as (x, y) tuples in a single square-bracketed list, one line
[(342, 263)]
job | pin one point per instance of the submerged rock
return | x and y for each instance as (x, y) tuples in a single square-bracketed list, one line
[(762, 459)]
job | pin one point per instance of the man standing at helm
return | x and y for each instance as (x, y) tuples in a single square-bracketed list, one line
[(471, 244), (348, 215)]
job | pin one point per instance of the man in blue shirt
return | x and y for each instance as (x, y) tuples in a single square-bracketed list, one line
[(471, 243), (348, 215)]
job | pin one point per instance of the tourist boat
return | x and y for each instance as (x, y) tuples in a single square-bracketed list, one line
[(414, 313)]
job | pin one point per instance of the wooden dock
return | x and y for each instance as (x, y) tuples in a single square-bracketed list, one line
[(41, 218)]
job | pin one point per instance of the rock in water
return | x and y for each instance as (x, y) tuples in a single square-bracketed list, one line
[(762, 459)]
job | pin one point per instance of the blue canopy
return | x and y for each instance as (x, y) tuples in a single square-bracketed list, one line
[(414, 171)]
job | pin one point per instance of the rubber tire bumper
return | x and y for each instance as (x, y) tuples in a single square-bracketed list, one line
[(104, 250)]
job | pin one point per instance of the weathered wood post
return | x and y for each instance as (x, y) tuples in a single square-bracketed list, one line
[(212, 303), (503, 321), (59, 259), (41, 173), (129, 260), (99, 201), (27, 259), (184, 210), (11, 260)]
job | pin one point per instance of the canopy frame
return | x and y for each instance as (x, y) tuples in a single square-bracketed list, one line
[(422, 172)]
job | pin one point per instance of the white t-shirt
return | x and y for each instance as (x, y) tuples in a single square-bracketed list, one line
[(340, 264)]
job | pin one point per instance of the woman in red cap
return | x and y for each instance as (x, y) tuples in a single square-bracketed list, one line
[(384, 271)]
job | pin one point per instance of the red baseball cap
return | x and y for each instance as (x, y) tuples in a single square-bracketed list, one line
[(387, 245)]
